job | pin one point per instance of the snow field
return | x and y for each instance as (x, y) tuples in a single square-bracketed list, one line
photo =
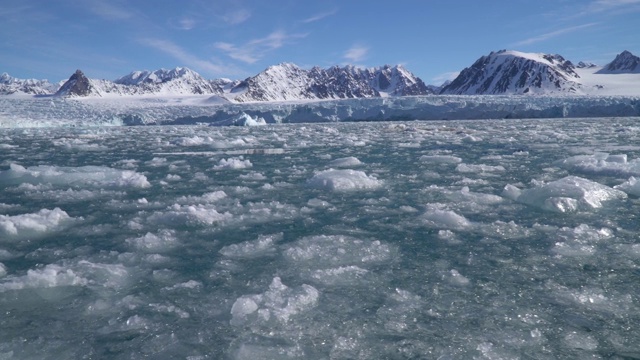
[(349, 244)]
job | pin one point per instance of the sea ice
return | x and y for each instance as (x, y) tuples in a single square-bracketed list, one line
[(190, 215), (98, 176), (631, 186), (50, 276), (34, 225), (444, 219), (233, 163), (440, 159), (163, 241), (602, 164), (279, 303), (568, 194), (343, 180), (328, 251), (345, 162), (263, 246)]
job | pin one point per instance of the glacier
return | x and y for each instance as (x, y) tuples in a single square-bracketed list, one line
[(473, 239), (61, 112)]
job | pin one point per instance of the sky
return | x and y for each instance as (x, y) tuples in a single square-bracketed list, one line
[(434, 39)]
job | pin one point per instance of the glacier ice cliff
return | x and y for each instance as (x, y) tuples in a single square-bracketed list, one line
[(38, 112)]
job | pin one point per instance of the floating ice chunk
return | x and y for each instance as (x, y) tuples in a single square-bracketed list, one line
[(326, 251), (317, 203), (343, 180), (190, 215), (345, 162), (3, 270), (631, 186), (479, 168), (440, 159), (579, 241), (340, 276), (50, 276), (115, 276), (233, 163), (565, 195), (466, 196), (98, 176), (456, 278), (206, 198), (602, 164), (163, 241), (193, 141), (279, 303), (264, 245), (444, 219), (253, 175), (34, 225)]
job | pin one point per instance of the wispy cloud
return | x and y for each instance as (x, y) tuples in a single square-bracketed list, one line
[(603, 5), (185, 23), (553, 34), (189, 59), (448, 76), (109, 10), (356, 53), (237, 16), (319, 16), (256, 49)]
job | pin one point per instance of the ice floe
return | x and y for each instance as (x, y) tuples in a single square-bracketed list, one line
[(568, 194), (278, 304), (602, 164), (343, 180), (34, 225), (94, 176)]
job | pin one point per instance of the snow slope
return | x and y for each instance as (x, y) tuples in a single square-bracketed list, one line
[(514, 72)]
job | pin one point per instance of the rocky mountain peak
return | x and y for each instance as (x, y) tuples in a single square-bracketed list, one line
[(624, 63), (514, 72), (77, 85)]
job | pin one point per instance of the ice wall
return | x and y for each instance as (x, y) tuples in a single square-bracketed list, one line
[(45, 112)]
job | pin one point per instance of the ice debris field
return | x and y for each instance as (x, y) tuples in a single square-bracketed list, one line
[(499, 239)]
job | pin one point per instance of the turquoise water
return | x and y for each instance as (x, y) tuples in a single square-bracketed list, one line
[(322, 241)]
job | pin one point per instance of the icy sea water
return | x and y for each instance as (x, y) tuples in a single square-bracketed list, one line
[(418, 240)]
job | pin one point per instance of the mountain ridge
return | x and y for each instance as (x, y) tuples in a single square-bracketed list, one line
[(505, 72)]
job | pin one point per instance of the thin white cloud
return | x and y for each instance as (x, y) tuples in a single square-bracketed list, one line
[(319, 16), (444, 77), (356, 53), (109, 10), (187, 58), (608, 7), (256, 49), (553, 34), (186, 23), (236, 17)]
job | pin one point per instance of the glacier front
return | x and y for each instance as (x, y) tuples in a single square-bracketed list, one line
[(56, 111)]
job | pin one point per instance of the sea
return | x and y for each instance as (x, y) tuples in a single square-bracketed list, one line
[(492, 239)]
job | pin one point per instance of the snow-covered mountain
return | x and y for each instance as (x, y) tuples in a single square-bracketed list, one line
[(289, 82), (514, 72), (10, 85), (179, 81), (624, 63), (78, 85), (585, 65)]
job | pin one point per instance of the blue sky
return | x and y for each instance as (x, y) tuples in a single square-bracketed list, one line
[(434, 39)]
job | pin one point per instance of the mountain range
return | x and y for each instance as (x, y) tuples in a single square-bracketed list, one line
[(498, 73)]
